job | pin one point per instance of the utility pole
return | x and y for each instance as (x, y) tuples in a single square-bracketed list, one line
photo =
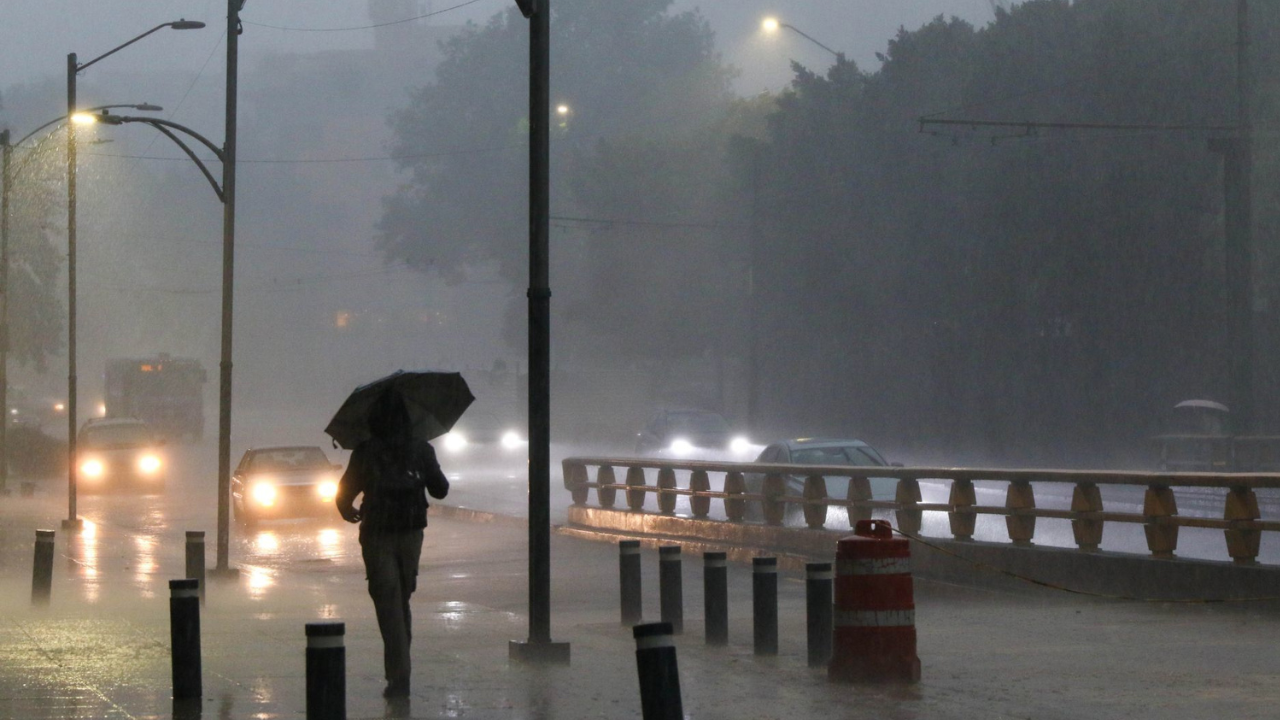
[(7, 149), (539, 647), (72, 521), (222, 566)]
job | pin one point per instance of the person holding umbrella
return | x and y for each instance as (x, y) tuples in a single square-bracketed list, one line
[(394, 468)]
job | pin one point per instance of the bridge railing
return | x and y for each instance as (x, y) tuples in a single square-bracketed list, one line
[(1241, 520)]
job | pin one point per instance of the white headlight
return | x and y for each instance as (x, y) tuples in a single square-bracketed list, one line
[(149, 464), (328, 490), (264, 493), (92, 469), (454, 442), (740, 445), (681, 446), (512, 440)]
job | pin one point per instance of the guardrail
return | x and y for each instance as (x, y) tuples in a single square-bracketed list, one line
[(1241, 521)]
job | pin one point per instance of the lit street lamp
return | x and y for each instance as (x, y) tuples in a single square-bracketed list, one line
[(10, 174), (771, 25), (74, 67)]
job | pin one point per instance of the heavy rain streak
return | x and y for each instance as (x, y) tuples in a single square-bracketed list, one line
[(983, 289)]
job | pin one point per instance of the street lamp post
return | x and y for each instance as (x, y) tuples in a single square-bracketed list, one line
[(10, 173), (74, 67), (772, 25), (539, 647)]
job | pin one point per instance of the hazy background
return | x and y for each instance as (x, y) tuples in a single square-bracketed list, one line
[(952, 299)]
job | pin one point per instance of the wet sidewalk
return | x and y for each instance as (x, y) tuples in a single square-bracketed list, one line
[(101, 649)]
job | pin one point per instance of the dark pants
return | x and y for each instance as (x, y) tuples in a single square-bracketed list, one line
[(391, 565)]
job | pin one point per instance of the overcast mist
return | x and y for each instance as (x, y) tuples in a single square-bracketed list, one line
[(974, 280)]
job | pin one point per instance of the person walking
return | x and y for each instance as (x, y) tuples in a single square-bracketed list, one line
[(394, 472)]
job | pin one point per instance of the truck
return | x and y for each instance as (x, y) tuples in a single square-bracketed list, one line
[(167, 392)]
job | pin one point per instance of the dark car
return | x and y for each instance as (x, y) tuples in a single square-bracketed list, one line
[(119, 454), (820, 451), (284, 482), (681, 432)]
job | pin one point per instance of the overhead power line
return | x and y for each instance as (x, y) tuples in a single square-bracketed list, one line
[(363, 27)]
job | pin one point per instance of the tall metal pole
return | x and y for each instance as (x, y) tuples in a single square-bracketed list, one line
[(4, 312), (753, 301), (1239, 250), (539, 646), (72, 520), (228, 294)]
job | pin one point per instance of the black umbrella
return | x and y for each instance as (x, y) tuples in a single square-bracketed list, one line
[(433, 400)]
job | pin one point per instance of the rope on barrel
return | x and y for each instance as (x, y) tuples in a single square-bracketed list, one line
[(1076, 591)]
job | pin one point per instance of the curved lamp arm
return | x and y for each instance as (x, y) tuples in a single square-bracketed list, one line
[(176, 25), (167, 127)]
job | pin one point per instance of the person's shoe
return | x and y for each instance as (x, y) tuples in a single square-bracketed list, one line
[(396, 689)]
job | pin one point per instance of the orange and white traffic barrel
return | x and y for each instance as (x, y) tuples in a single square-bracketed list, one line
[(875, 623)]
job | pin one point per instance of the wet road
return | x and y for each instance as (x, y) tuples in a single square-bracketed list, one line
[(101, 649)]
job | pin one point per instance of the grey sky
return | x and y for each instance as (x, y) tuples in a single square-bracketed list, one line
[(38, 34)]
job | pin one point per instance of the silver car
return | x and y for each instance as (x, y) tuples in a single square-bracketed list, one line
[(820, 451)]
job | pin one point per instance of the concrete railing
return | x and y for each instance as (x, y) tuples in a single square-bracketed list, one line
[(1241, 521)]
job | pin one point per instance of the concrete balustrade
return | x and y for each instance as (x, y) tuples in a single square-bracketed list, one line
[(1241, 521)]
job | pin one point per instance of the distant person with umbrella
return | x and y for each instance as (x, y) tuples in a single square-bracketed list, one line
[(388, 423)]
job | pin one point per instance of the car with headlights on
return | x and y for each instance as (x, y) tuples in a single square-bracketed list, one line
[(680, 433), (480, 431), (819, 451), (284, 482), (119, 454)]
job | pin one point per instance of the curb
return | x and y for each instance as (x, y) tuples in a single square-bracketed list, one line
[(459, 512)]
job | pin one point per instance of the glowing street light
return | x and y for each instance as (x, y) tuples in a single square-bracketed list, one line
[(74, 67), (771, 25)]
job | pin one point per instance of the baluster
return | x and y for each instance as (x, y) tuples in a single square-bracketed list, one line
[(1242, 543), (575, 481), (606, 496), (774, 510), (1020, 496), (907, 497), (815, 488), (1162, 538), (700, 505), (635, 478), (1087, 498), (859, 490), (666, 482), (735, 484), (962, 496)]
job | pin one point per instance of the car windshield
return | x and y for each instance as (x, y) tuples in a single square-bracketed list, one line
[(116, 435), (288, 460), (856, 455), (696, 423)]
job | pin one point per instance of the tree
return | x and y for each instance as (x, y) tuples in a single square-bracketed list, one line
[(35, 313), (639, 87), (1025, 294)]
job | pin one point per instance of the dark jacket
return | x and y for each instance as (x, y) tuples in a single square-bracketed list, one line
[(395, 477)]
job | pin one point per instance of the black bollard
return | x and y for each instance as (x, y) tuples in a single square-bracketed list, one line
[(659, 675), (764, 598), (184, 638), (715, 594), (818, 583), (326, 671), (42, 568), (629, 581), (195, 558), (671, 587)]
